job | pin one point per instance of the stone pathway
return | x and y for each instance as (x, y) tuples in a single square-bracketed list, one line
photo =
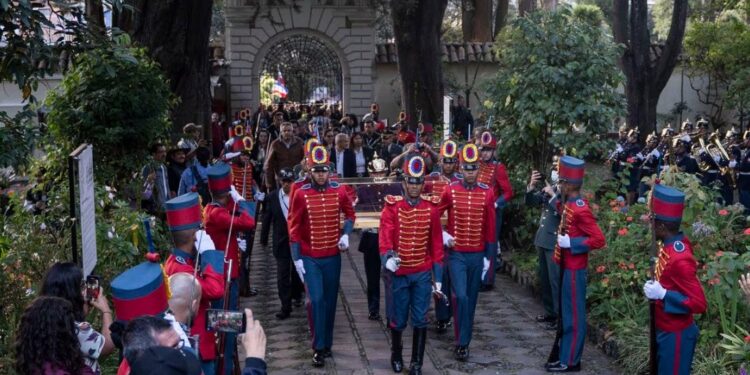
[(506, 339)]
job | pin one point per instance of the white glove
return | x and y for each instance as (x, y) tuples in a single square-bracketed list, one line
[(242, 244), (640, 156), (655, 153), (235, 195), (563, 240), (485, 267), (495, 204), (653, 290), (203, 241), (717, 158), (260, 196), (732, 163), (392, 264), (231, 155), (300, 269), (344, 242), (619, 148), (448, 240), (438, 285)]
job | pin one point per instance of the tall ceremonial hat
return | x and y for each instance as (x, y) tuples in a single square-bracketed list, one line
[(449, 151), (414, 169), (309, 144), (213, 259), (219, 178), (469, 157), (141, 290), (571, 170), (487, 140), (184, 212), (319, 159), (667, 203)]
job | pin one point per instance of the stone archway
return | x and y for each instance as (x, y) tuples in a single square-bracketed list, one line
[(344, 28)]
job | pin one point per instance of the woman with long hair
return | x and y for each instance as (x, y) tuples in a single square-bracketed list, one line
[(47, 341), (362, 154), (65, 280)]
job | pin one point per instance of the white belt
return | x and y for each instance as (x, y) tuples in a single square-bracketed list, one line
[(712, 171), (744, 173)]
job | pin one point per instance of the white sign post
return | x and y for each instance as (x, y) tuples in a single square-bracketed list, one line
[(447, 117), (82, 162)]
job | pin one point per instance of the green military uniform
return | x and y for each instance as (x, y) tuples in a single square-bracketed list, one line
[(546, 237)]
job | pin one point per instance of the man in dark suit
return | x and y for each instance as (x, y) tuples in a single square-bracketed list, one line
[(343, 157), (288, 282)]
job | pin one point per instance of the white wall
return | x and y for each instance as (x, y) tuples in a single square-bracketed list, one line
[(11, 99)]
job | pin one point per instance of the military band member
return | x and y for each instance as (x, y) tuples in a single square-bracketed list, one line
[(743, 175), (316, 242), (614, 156), (411, 247), (650, 158), (470, 233), (630, 161), (184, 221), (729, 181), (682, 158), (676, 288), (580, 235), (687, 127), (545, 240), (220, 216), (439, 180)]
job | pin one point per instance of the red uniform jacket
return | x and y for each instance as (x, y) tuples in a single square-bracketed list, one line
[(584, 233), (437, 182), (675, 271), (413, 232), (212, 288), (493, 174), (217, 219), (314, 219), (242, 179), (471, 215)]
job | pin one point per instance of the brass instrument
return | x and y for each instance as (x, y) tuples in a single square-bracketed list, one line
[(725, 170)]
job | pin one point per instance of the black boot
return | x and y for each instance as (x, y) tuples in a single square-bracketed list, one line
[(417, 351), (397, 360)]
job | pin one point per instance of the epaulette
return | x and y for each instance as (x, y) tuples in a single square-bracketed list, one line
[(333, 184), (458, 176), (580, 202), (301, 179), (306, 186), (393, 199), (430, 198), (483, 185), (434, 174), (455, 183)]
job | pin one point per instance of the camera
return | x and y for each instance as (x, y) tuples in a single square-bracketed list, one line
[(92, 288), (219, 320)]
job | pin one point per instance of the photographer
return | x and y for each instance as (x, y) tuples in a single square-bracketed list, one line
[(152, 346), (540, 193), (65, 280), (254, 345)]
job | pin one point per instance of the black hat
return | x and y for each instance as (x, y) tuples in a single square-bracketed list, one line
[(161, 360), (286, 174)]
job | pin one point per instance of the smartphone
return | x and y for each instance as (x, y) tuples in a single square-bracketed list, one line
[(218, 320), (92, 287)]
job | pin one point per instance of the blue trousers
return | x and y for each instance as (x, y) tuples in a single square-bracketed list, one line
[(489, 278), (208, 367), (675, 350), (573, 316), (411, 293), (442, 309), (322, 287), (230, 346), (466, 276)]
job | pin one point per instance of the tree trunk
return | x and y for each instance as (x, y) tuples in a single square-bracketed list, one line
[(95, 15), (501, 16), (525, 7), (416, 27), (476, 20), (176, 33), (646, 75)]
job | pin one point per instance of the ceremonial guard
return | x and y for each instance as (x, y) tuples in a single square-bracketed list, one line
[(545, 239), (316, 242), (438, 181), (184, 221), (676, 288), (493, 174), (578, 234), (411, 247), (470, 235), (224, 220), (650, 158)]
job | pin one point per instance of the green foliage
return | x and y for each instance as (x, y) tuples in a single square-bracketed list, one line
[(589, 13), (115, 99), (556, 85)]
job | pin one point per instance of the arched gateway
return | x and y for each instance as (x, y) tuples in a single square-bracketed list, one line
[(324, 49)]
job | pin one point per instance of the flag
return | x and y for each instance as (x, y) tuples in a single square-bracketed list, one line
[(279, 87)]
